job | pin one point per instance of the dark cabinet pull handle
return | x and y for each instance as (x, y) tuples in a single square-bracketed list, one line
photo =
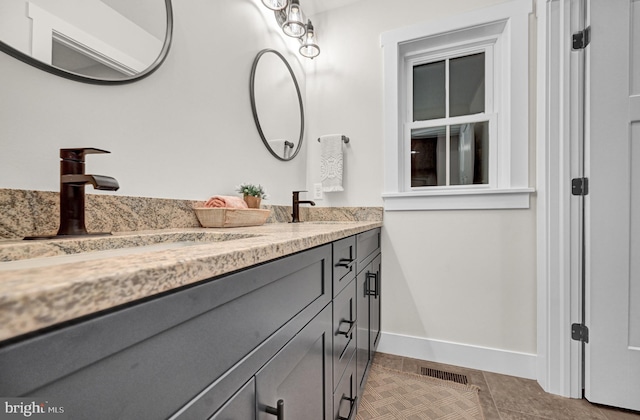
[(352, 325), (369, 291), (344, 262), (278, 411), (352, 410)]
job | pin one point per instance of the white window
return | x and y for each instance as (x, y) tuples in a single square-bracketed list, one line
[(451, 124), (456, 111)]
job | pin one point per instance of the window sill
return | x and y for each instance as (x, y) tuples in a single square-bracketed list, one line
[(517, 198)]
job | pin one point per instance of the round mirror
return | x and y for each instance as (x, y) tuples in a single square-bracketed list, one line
[(276, 103), (93, 41)]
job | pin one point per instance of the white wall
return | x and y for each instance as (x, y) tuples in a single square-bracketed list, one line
[(465, 277), (184, 132)]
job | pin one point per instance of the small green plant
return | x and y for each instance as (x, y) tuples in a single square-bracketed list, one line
[(252, 190)]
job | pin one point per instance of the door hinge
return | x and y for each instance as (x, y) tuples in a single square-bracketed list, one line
[(581, 39), (580, 186), (580, 332)]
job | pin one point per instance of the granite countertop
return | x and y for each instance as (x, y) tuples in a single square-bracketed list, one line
[(40, 292)]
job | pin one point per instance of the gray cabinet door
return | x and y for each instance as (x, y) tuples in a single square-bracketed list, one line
[(368, 284), (374, 305), (362, 336), (242, 406), (299, 375)]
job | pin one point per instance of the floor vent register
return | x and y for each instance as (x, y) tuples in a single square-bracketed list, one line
[(441, 374)]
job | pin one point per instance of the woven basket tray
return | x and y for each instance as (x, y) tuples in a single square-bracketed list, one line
[(224, 217)]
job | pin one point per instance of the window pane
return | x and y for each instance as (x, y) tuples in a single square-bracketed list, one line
[(429, 91), (469, 154), (428, 157), (466, 81)]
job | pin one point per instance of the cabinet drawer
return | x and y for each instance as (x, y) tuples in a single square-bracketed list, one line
[(344, 264), (368, 246), (344, 330), (345, 400), (180, 343)]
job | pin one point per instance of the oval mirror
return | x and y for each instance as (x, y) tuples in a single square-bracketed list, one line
[(93, 41), (276, 103)]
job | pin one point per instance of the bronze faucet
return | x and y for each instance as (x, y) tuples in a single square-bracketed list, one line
[(296, 206), (72, 182)]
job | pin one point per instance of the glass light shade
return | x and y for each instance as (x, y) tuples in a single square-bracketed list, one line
[(294, 25), (309, 46), (275, 4)]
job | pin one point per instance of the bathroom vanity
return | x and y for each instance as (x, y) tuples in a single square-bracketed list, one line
[(287, 330)]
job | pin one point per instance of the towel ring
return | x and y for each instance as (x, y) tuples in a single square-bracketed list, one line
[(345, 139)]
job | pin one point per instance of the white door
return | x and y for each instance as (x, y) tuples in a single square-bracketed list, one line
[(612, 219)]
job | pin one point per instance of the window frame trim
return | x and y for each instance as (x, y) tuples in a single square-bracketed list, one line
[(510, 21)]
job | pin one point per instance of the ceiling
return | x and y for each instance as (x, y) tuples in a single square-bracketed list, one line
[(313, 7)]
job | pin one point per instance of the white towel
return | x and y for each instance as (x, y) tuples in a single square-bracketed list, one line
[(283, 148), (331, 162)]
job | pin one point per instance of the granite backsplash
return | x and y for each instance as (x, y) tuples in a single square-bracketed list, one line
[(35, 213)]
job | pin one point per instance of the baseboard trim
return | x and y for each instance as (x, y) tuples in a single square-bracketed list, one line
[(489, 359)]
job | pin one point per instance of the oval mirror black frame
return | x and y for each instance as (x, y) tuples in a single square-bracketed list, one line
[(87, 79), (255, 110)]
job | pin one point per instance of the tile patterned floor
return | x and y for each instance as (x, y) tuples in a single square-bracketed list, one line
[(505, 397)]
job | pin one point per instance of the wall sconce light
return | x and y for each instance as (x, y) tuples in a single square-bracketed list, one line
[(309, 46), (290, 18), (294, 25), (275, 4)]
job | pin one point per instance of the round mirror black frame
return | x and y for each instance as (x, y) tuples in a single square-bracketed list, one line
[(86, 79), (255, 110)]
